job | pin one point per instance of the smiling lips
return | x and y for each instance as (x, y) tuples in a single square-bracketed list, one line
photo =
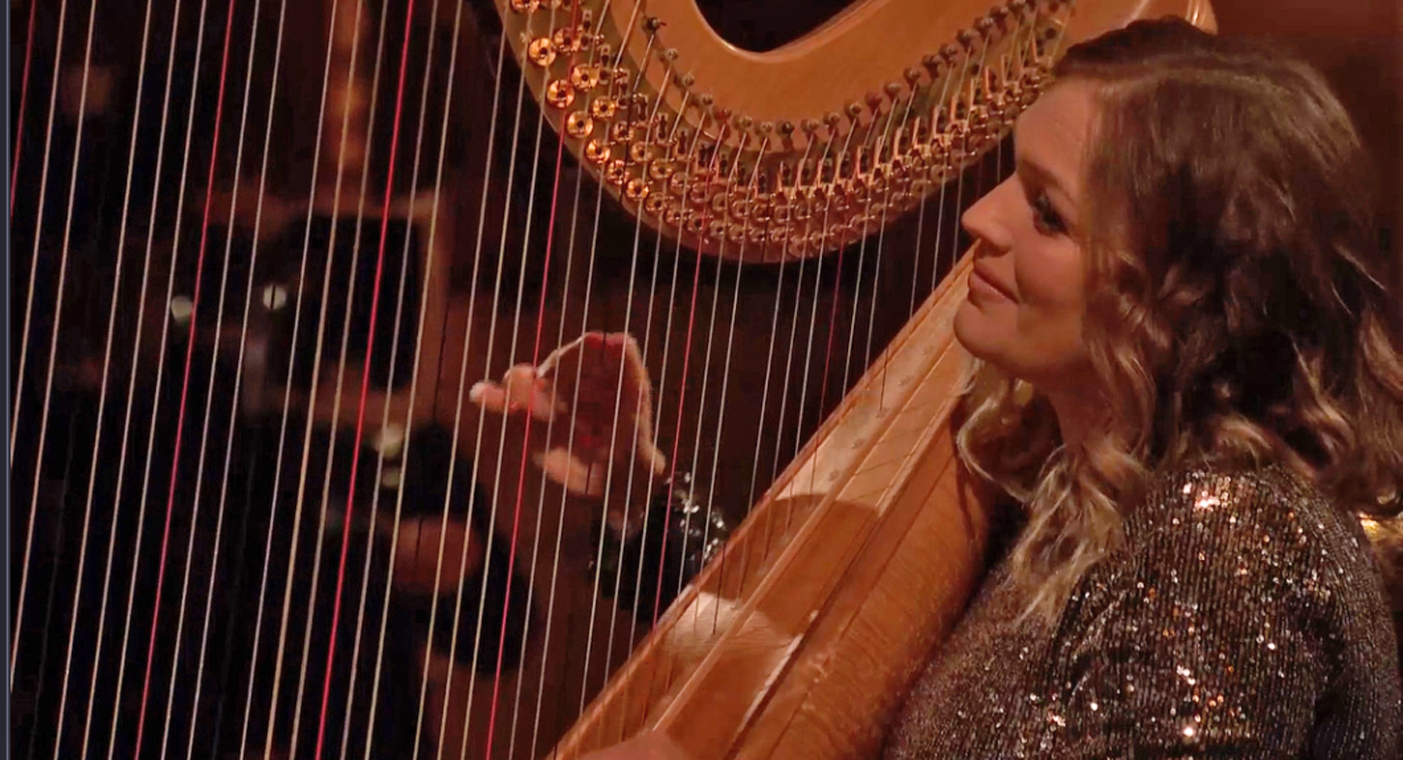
[(980, 281)]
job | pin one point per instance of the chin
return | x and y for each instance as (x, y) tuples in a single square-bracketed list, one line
[(976, 332)]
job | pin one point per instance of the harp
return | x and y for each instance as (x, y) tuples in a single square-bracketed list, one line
[(217, 339)]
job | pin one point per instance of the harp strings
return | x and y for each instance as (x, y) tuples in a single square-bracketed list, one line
[(23, 101), (725, 379), (575, 34), (458, 409), (102, 394), (878, 137), (365, 373), (609, 485), (414, 387), (648, 336), (535, 361), (327, 515), (218, 346), (28, 311), (161, 354), (100, 415), (184, 398), (285, 413), (39, 226)]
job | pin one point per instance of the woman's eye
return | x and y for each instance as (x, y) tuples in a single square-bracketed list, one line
[(1045, 217)]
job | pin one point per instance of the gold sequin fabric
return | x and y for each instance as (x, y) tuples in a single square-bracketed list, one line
[(1243, 617)]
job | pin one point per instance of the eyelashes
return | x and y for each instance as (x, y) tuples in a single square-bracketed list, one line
[(1045, 217)]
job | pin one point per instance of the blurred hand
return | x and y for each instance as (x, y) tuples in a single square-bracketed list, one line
[(589, 407)]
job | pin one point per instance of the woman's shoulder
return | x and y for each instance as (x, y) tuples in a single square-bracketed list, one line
[(1266, 543), (1270, 513), (1252, 585)]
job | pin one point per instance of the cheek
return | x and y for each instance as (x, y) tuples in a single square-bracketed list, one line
[(1051, 276), (1039, 338)]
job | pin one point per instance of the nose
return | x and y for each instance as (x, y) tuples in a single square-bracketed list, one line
[(987, 222)]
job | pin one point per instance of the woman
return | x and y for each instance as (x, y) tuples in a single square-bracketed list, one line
[(1179, 300)]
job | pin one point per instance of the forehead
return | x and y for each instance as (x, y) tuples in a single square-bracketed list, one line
[(1053, 133)]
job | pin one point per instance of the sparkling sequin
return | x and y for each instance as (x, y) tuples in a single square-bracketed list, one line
[(1243, 617)]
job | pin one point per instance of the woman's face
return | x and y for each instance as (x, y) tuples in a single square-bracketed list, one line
[(1027, 294)]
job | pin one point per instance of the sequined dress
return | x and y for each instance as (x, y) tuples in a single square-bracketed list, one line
[(1244, 617)]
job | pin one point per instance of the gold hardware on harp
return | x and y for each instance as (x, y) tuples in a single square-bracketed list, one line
[(781, 128)]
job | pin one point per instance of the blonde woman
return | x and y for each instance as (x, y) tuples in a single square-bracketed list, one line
[(1189, 382)]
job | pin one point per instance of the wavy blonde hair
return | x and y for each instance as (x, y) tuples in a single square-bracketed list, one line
[(1242, 309)]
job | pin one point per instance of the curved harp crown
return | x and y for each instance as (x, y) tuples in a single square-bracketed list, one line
[(794, 152)]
